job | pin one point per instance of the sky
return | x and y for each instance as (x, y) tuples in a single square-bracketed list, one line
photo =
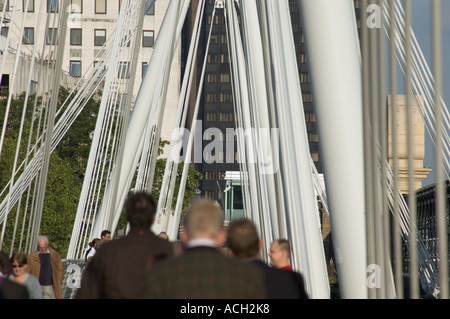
[(421, 16)]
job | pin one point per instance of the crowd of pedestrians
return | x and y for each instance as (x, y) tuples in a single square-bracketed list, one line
[(143, 265), (41, 273)]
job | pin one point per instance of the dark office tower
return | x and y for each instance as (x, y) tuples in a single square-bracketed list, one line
[(216, 108), (305, 78), (307, 96), (216, 111)]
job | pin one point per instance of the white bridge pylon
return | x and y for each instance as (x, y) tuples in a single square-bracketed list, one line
[(267, 91), (280, 187)]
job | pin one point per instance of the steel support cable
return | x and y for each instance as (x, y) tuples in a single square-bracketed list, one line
[(5, 120), (259, 109), (46, 118), (250, 28), (181, 190), (126, 108), (50, 119), (425, 69), (60, 130), (276, 180), (253, 25), (150, 148), (295, 165), (397, 244), (156, 134), (64, 129), (429, 276), (98, 158), (167, 193), (19, 141), (441, 215), (246, 146), (238, 101), (8, 198), (423, 83), (88, 197), (114, 96), (153, 130), (171, 169), (140, 115)]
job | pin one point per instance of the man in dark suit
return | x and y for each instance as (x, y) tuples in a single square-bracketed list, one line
[(202, 271), (116, 270), (244, 243)]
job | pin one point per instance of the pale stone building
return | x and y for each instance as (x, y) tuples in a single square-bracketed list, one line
[(418, 134)]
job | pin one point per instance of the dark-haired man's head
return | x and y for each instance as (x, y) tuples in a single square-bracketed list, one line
[(140, 210), (243, 239), (105, 235)]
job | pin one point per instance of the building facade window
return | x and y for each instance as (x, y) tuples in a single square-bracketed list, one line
[(4, 4), (211, 78), (99, 37), (124, 70), (226, 97), (5, 31), (76, 36), (30, 5), (225, 77), (52, 6), (76, 6), (211, 97), (148, 38), (210, 175), (211, 117), (52, 34), (28, 36), (212, 58), (100, 6), (75, 68), (102, 71), (151, 10)]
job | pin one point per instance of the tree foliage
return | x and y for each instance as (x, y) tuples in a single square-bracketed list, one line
[(65, 177), (64, 180)]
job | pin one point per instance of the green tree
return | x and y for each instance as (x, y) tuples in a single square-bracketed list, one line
[(192, 183), (66, 172)]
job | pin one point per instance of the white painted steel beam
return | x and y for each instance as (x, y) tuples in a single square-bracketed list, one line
[(335, 65)]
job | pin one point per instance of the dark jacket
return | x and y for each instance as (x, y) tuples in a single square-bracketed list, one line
[(204, 273), (11, 290), (282, 284), (116, 269)]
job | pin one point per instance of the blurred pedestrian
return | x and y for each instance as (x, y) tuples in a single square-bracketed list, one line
[(45, 263), (280, 254), (21, 276), (90, 252), (105, 235), (116, 270), (202, 271), (8, 288), (245, 244)]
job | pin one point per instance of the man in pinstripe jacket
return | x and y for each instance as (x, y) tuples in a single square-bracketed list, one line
[(202, 271)]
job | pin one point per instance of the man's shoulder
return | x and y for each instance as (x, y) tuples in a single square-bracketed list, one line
[(54, 252), (34, 254)]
